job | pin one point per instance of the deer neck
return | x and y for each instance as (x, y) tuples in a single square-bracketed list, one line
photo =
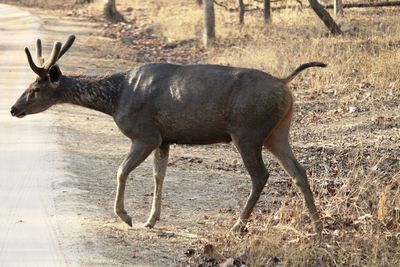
[(96, 93)]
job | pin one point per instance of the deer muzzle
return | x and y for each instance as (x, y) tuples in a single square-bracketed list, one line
[(15, 112)]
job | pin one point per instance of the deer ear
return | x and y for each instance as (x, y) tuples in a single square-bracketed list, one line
[(55, 73)]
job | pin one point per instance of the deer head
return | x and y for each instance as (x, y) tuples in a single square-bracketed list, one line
[(41, 94)]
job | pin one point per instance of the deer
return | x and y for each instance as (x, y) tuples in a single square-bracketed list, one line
[(159, 104)]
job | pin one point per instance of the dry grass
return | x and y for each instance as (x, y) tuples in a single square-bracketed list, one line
[(361, 228)]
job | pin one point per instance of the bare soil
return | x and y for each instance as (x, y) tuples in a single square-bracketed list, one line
[(205, 186)]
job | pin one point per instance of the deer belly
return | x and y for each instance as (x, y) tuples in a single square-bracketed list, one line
[(194, 132)]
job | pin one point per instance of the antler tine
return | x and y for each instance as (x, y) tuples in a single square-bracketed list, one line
[(39, 57), (39, 71), (55, 53), (67, 45)]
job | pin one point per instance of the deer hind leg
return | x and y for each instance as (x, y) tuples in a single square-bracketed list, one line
[(160, 160), (278, 144), (138, 153), (252, 159)]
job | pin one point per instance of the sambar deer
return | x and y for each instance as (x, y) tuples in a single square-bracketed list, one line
[(159, 104)]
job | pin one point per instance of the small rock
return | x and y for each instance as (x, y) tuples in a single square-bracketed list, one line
[(151, 28), (352, 109), (189, 252), (350, 30), (230, 262), (379, 120), (272, 261), (243, 256), (170, 45), (331, 91), (127, 39), (166, 234), (365, 85)]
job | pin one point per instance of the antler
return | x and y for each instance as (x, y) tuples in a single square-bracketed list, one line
[(39, 57), (39, 71), (67, 45), (53, 57), (56, 54)]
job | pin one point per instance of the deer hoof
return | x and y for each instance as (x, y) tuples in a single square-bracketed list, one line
[(123, 215), (127, 219), (148, 225)]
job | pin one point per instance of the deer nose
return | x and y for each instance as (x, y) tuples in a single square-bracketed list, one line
[(13, 111)]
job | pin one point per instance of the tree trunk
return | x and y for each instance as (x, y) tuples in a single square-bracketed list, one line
[(83, 1), (267, 11), (241, 12), (325, 17), (338, 7), (209, 22), (111, 13)]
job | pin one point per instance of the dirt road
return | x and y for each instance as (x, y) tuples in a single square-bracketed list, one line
[(32, 233)]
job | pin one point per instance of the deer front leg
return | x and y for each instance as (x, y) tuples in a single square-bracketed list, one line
[(160, 161), (138, 153)]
